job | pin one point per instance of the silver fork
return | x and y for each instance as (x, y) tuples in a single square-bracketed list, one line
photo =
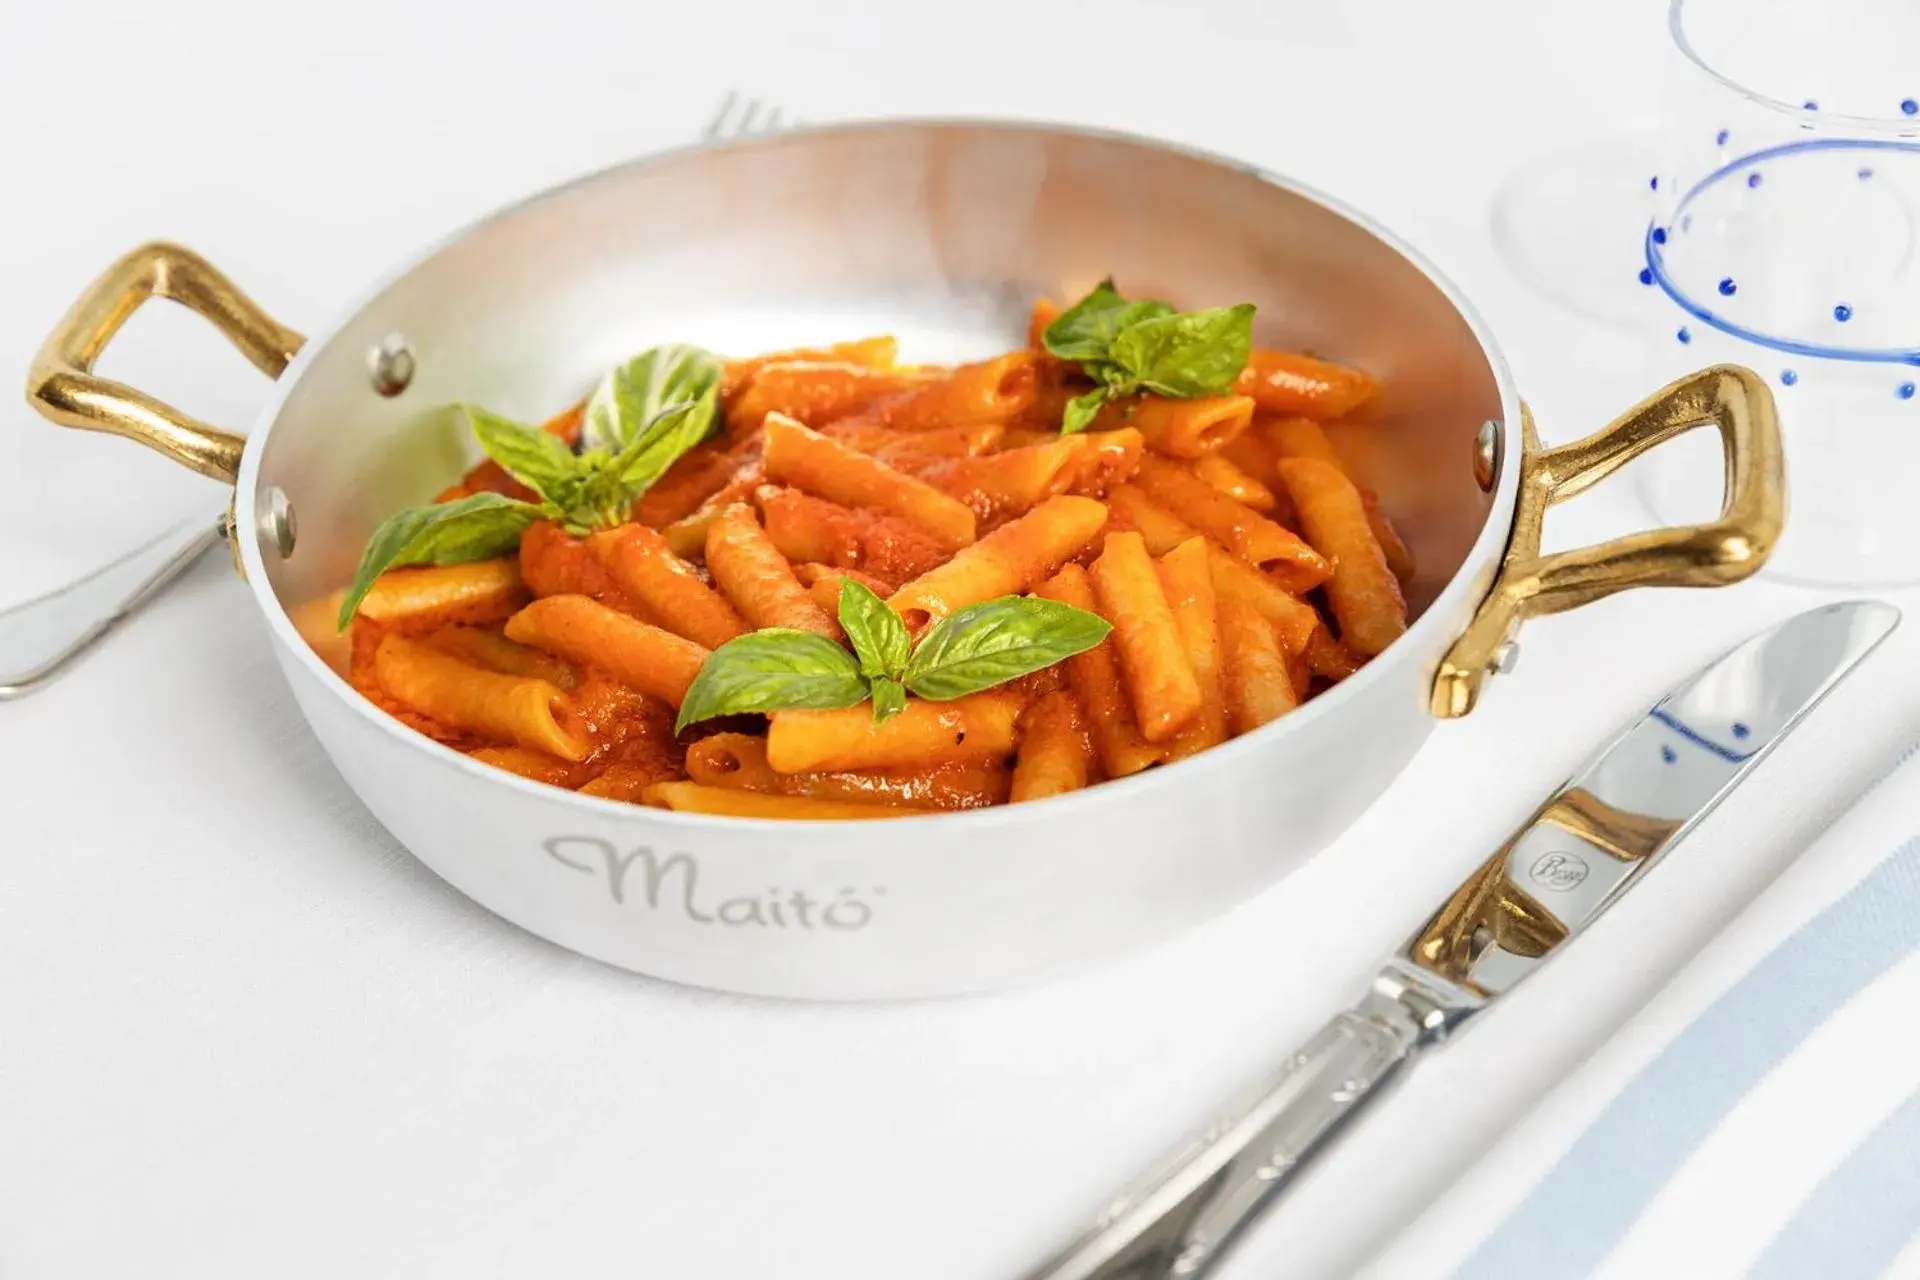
[(40, 638)]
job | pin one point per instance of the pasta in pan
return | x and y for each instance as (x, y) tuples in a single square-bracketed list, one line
[(824, 584)]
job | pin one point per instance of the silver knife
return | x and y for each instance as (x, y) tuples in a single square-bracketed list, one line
[(1586, 845)]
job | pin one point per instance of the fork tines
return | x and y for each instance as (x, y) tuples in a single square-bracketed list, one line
[(739, 116)]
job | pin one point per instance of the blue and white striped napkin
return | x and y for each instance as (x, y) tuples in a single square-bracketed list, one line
[(1759, 1118)]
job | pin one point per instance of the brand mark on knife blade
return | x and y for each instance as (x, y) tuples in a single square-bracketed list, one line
[(1558, 872)]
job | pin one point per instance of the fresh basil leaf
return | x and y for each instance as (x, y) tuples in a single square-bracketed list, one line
[(776, 669), (477, 527), (990, 643), (596, 497), (1082, 410), (658, 445), (1187, 353), (879, 637), (535, 458), (632, 397), (1087, 329), (889, 698)]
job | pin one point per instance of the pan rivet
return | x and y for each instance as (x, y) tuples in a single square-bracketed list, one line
[(276, 520), (1487, 447), (1504, 658), (391, 365)]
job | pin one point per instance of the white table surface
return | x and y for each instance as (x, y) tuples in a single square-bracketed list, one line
[(242, 1033)]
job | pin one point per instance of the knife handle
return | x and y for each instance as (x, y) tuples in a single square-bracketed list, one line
[(1179, 1222)]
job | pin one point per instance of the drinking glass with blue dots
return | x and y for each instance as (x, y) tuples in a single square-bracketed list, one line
[(1785, 236)]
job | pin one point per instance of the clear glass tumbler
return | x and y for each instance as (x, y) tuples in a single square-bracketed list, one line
[(1786, 237)]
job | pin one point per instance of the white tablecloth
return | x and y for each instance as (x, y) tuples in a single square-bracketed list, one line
[(243, 1034)]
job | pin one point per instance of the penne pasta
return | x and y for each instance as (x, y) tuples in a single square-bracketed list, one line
[(822, 582), (645, 657), (1229, 479), (873, 353), (566, 424), (691, 797), (1292, 619), (1328, 658), (1133, 509), (623, 782), (491, 651), (806, 528), (1190, 428), (816, 391), (1252, 454), (1012, 559), (687, 536), (1296, 437), (1234, 568), (1056, 753), (1153, 657), (1186, 576), (445, 595), (1243, 531), (555, 563), (903, 449), (1043, 417), (1095, 678), (739, 761), (519, 709), (925, 733), (810, 461), (1285, 382), (996, 390), (1012, 480), (645, 569), (487, 476), (1392, 546), (758, 579), (536, 765), (1109, 459), (1257, 686), (1363, 592), (697, 476)]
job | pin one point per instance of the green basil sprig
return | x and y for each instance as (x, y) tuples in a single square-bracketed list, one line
[(1147, 346), (972, 649), (645, 414)]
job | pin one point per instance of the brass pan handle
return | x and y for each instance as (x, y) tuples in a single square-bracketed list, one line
[(1530, 584), (63, 387)]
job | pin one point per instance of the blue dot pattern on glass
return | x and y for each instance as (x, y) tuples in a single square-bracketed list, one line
[(1716, 311), (1653, 183), (1842, 312), (1659, 235), (1646, 275), (1865, 174), (1668, 754), (1753, 180), (1910, 107), (1720, 138), (1788, 377), (1685, 334), (1740, 730), (1809, 105), (1727, 287), (1904, 391)]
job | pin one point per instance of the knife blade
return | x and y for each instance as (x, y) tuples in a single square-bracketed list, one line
[(1583, 848)]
